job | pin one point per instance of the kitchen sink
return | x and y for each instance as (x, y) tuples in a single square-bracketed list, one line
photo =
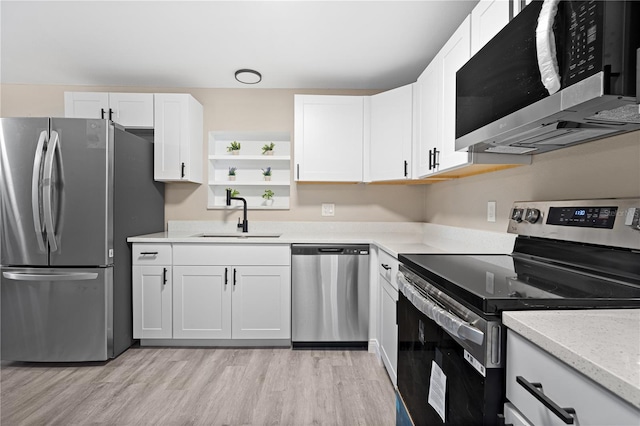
[(238, 235)]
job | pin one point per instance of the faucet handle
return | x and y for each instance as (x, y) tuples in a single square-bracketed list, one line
[(239, 223)]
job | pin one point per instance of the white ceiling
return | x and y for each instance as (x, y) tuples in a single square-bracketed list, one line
[(294, 44)]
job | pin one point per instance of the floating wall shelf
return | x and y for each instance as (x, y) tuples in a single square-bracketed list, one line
[(249, 163)]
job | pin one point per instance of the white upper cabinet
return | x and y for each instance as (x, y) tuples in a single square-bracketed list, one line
[(329, 138), (436, 106), (455, 53), (427, 107), (178, 138), (390, 137), (487, 19), (132, 110)]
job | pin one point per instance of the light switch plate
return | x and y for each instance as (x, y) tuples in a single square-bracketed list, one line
[(328, 209), (491, 211)]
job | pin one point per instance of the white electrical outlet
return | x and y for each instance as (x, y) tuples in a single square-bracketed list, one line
[(491, 211), (328, 209)]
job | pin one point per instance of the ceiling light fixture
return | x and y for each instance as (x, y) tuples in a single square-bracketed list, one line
[(248, 76)]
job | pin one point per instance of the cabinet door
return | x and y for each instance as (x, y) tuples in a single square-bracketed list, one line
[(389, 328), (202, 302), (426, 114), (329, 138), (177, 138), (86, 104), (455, 53), (152, 302), (132, 109), (567, 387), (488, 17), (261, 302), (390, 143)]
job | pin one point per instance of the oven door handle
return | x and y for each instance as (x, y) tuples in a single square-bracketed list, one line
[(445, 319)]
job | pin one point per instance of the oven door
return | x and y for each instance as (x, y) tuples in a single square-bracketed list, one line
[(429, 359)]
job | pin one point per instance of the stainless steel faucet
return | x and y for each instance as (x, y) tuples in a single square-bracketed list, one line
[(245, 223)]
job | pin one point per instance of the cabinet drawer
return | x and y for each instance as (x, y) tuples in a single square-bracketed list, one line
[(231, 254), (566, 387), (388, 267), (151, 254)]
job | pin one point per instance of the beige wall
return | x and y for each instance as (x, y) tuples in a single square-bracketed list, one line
[(243, 110), (605, 168)]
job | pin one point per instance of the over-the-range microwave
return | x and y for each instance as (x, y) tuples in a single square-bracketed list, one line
[(560, 73)]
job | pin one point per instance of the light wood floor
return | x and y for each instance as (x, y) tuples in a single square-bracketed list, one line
[(197, 386)]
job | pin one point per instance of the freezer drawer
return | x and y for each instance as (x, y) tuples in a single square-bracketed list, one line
[(61, 314)]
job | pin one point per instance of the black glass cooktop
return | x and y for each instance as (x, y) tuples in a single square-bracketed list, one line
[(494, 283)]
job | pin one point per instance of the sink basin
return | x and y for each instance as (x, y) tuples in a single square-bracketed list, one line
[(238, 235)]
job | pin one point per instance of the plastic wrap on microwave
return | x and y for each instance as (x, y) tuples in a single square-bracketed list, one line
[(451, 324), (546, 46)]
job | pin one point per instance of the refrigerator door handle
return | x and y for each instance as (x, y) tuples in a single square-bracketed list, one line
[(36, 194), (47, 189), (71, 276)]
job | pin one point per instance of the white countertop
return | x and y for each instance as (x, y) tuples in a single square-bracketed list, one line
[(394, 238), (604, 345)]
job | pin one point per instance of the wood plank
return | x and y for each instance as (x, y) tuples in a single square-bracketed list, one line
[(202, 386)]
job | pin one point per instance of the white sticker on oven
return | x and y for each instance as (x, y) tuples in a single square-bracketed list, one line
[(475, 363), (437, 390)]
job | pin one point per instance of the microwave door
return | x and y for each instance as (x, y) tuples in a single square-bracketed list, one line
[(79, 198), (22, 236)]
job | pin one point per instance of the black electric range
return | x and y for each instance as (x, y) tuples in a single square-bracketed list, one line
[(567, 255), (559, 261)]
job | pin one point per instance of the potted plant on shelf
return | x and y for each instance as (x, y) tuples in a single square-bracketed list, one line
[(232, 173), (234, 193), (266, 173), (234, 148), (268, 197), (267, 149)]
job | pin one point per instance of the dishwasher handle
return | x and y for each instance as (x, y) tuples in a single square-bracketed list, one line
[(333, 250), (329, 249)]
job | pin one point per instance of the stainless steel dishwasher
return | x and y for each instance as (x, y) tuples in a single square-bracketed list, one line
[(330, 295)]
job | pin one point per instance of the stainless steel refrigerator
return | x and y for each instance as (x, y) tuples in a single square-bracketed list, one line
[(71, 192)]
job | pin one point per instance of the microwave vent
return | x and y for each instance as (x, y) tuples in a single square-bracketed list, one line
[(629, 113)]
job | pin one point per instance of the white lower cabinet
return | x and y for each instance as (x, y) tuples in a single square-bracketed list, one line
[(261, 301), (213, 291), (582, 400), (201, 302), (388, 268), (151, 292)]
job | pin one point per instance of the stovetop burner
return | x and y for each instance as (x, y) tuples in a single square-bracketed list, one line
[(495, 283), (568, 255)]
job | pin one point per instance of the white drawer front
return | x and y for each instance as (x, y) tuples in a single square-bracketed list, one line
[(151, 254), (568, 388), (231, 254), (388, 267)]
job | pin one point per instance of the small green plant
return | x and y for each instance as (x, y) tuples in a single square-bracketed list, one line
[(234, 193), (232, 171), (268, 147), (268, 194), (233, 146), (266, 172)]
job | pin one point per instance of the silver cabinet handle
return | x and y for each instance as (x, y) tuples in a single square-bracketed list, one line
[(72, 276), (36, 194), (47, 188)]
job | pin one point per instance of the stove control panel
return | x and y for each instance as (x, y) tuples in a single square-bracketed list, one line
[(609, 222)]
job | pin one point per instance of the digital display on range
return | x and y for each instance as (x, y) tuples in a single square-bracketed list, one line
[(588, 217)]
